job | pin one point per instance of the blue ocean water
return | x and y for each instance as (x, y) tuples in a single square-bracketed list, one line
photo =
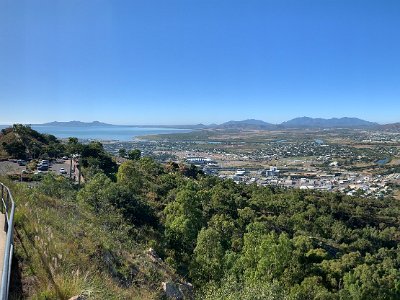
[(120, 133)]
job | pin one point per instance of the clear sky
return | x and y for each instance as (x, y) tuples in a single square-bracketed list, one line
[(192, 61)]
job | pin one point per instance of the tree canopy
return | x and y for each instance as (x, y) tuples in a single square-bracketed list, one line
[(238, 241), (287, 244)]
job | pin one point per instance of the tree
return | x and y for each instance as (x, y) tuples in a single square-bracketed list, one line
[(57, 186), (208, 256), (230, 288), (265, 254), (35, 149), (377, 278), (54, 149), (311, 288), (15, 149), (95, 157), (122, 152), (73, 146), (98, 192), (183, 221), (134, 154), (130, 176)]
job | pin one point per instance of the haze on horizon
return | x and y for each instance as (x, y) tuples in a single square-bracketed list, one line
[(189, 62)]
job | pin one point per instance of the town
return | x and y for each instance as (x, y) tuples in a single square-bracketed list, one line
[(354, 162)]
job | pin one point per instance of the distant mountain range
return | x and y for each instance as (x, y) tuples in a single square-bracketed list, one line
[(252, 124), (391, 127), (75, 124), (303, 122), (99, 124), (306, 122), (247, 124)]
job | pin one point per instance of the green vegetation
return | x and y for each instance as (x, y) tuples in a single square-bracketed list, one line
[(122, 152), (195, 135), (94, 159), (217, 234), (65, 247), (134, 154), (20, 141), (231, 241)]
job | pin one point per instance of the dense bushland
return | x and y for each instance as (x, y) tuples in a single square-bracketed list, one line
[(231, 241)]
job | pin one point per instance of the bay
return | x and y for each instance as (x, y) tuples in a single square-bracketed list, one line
[(103, 133)]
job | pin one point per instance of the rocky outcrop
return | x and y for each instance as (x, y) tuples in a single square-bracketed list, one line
[(78, 297), (152, 254), (173, 287), (178, 291)]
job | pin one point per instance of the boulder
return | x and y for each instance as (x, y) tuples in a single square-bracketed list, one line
[(78, 297), (153, 255), (172, 290)]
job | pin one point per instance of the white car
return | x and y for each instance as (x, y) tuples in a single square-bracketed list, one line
[(63, 171)]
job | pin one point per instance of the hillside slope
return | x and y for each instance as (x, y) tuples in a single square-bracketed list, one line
[(250, 124), (64, 249), (306, 122), (20, 141), (231, 241)]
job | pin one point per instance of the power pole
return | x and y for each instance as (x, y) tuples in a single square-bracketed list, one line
[(79, 174), (70, 167)]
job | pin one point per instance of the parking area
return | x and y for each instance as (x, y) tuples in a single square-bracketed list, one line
[(12, 167), (61, 165), (9, 167)]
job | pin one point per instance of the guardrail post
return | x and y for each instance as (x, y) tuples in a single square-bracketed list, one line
[(6, 203), (6, 212), (2, 196), (8, 206)]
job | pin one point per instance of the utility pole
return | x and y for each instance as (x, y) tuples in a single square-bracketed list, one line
[(70, 167), (79, 174)]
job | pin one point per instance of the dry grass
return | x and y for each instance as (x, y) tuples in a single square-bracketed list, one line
[(396, 194), (60, 250)]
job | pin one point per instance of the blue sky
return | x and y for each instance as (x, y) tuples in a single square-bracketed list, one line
[(192, 61)]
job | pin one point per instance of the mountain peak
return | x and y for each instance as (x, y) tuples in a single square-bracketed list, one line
[(247, 124)]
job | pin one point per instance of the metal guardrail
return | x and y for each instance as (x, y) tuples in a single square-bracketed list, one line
[(8, 208)]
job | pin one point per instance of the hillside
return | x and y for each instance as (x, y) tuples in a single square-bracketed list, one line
[(210, 238), (75, 124), (23, 142), (391, 127), (303, 122), (247, 124), (306, 122), (231, 241), (250, 124), (64, 248)]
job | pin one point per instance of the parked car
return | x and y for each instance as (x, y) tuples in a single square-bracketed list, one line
[(63, 171), (43, 167), (21, 162)]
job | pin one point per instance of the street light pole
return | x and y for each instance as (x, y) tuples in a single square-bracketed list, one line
[(70, 167)]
